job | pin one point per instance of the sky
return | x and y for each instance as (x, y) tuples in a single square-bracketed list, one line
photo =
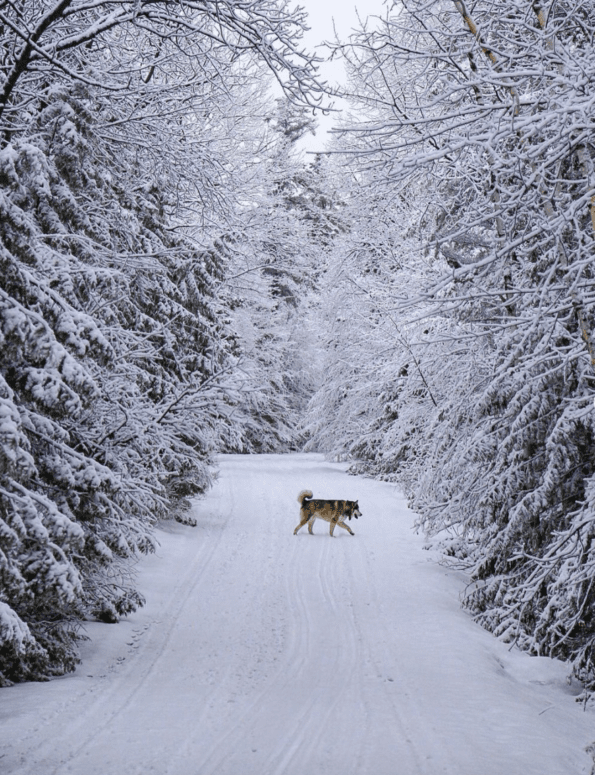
[(324, 17)]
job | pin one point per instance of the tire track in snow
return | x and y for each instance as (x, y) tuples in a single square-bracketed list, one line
[(324, 709), (397, 704), (87, 723), (236, 740), (387, 705), (300, 728), (191, 749), (213, 570)]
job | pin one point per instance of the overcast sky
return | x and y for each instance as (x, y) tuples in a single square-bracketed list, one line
[(321, 14)]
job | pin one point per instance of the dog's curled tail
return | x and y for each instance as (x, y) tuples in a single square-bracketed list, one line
[(303, 495)]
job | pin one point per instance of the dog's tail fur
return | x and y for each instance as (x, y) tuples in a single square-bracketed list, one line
[(303, 495)]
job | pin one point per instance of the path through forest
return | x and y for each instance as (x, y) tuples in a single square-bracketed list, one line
[(261, 653)]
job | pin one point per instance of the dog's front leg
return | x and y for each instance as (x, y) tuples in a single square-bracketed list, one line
[(341, 523)]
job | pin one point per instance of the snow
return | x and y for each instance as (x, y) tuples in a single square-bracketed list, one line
[(264, 653), (12, 629)]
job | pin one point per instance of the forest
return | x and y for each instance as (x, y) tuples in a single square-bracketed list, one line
[(177, 281)]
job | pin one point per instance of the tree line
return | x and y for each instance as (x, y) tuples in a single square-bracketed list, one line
[(150, 212), (459, 338)]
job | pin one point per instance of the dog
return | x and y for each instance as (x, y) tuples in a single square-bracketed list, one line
[(331, 511)]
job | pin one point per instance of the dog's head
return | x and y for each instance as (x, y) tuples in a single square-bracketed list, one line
[(352, 509)]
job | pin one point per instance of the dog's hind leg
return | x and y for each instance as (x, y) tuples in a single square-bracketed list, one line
[(302, 523), (311, 522)]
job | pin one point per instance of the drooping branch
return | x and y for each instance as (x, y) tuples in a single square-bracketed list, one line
[(261, 27)]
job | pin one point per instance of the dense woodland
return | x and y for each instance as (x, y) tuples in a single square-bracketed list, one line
[(178, 281)]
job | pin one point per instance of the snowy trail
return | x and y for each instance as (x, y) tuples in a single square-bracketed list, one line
[(261, 653)]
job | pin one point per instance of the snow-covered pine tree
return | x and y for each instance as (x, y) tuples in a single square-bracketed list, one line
[(279, 256), (110, 333), (115, 345)]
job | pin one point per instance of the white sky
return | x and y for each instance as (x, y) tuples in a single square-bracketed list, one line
[(321, 14)]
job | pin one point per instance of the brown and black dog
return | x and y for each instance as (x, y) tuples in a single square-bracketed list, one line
[(331, 511)]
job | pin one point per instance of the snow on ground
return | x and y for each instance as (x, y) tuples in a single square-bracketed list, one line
[(264, 653)]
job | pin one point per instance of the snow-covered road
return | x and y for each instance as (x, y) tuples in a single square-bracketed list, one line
[(264, 653)]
